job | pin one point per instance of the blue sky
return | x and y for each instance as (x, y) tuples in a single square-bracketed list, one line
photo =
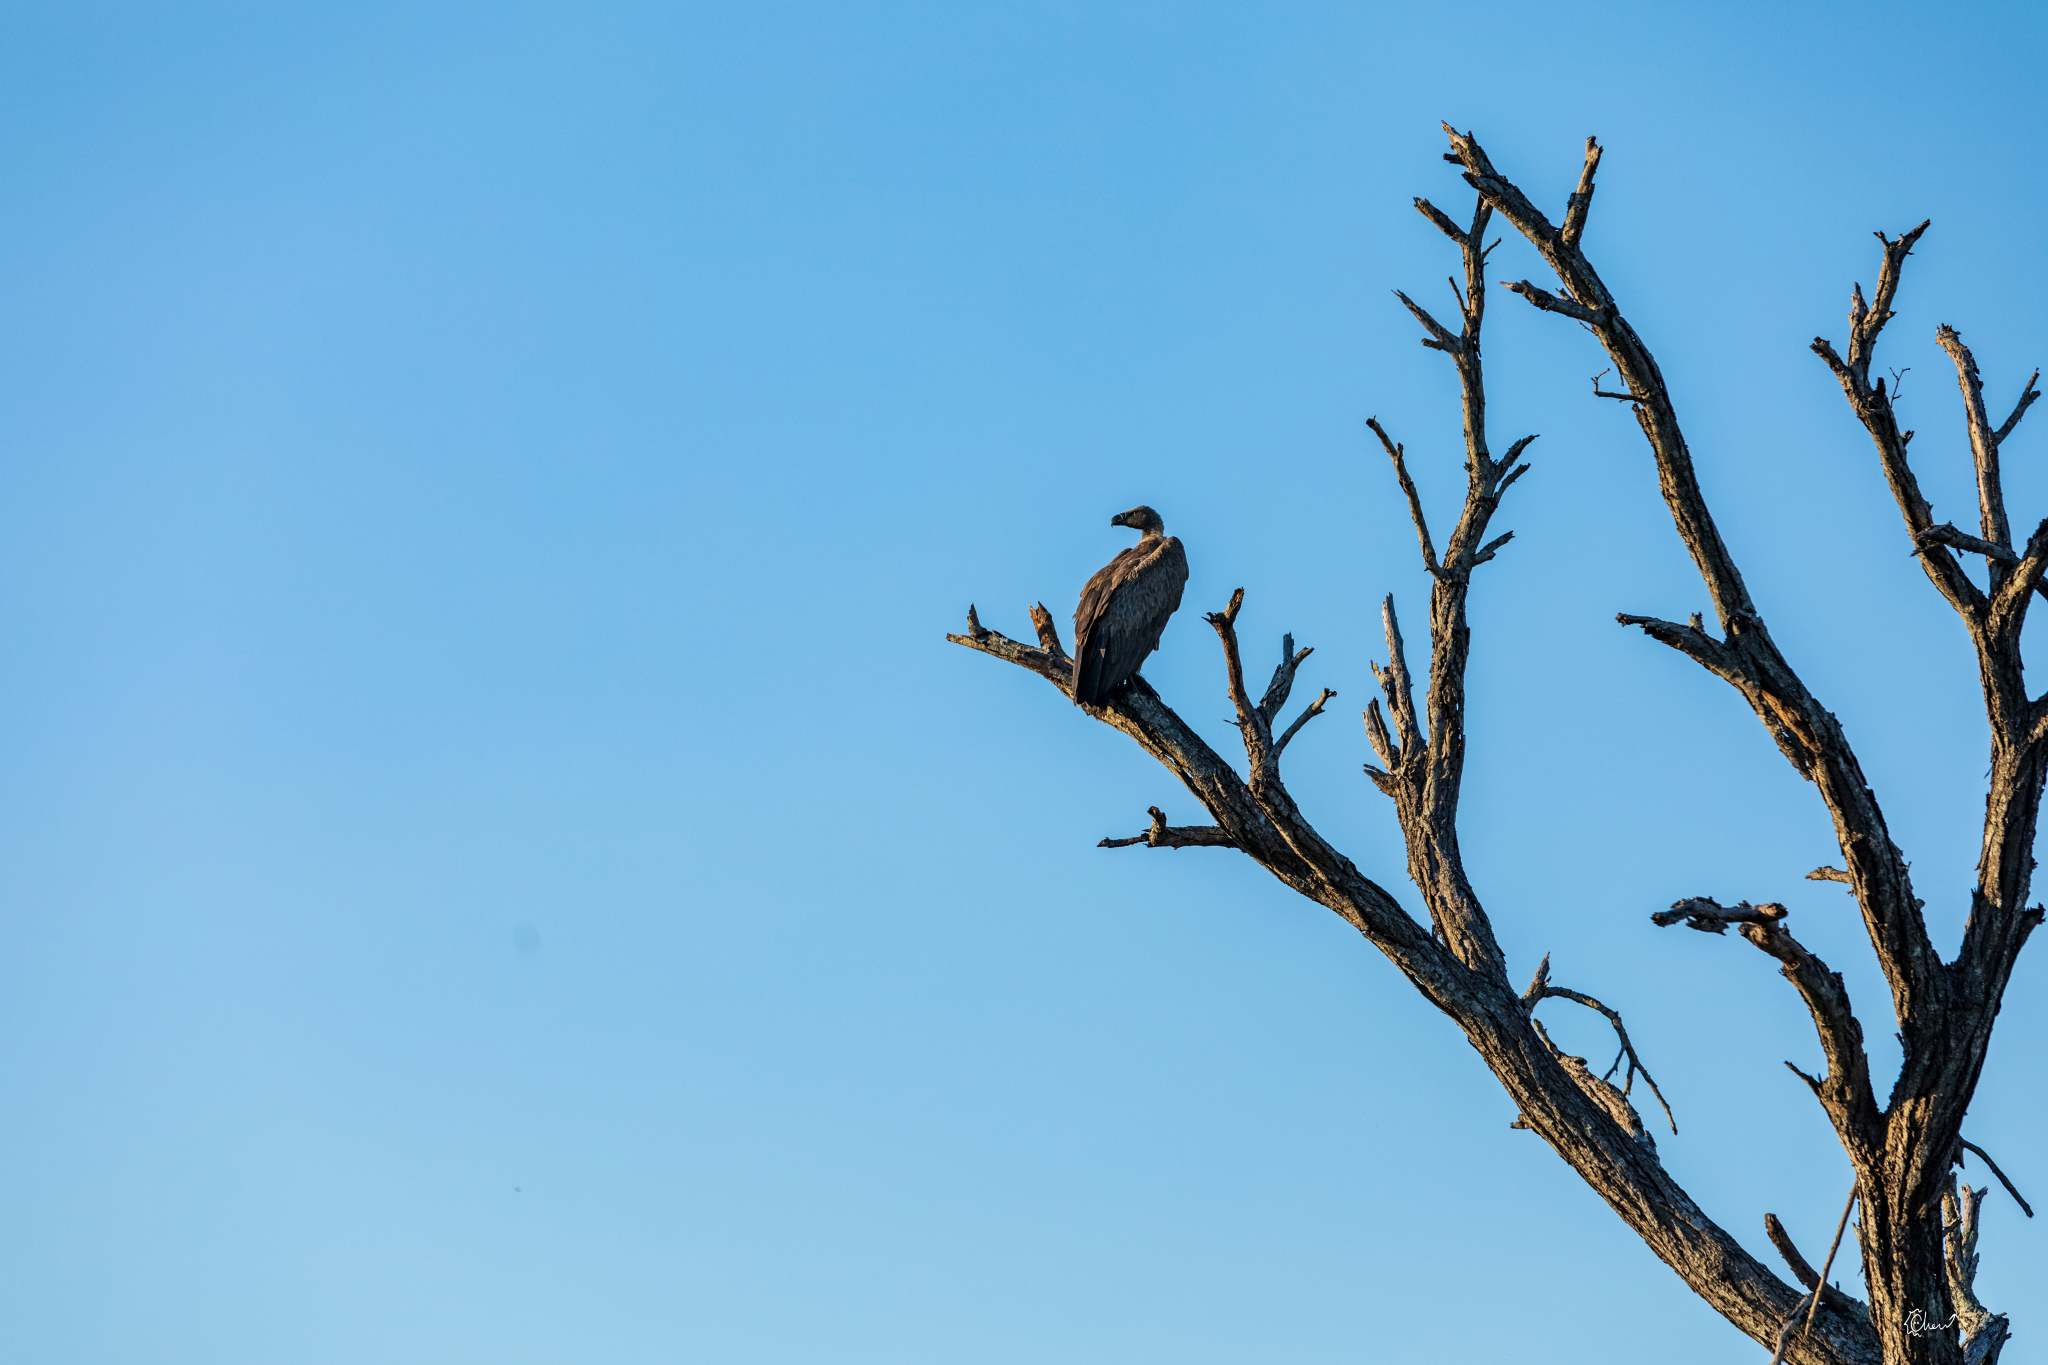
[(498, 863)]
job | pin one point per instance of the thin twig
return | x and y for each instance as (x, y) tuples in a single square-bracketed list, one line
[(1599, 392), (1803, 1272), (1540, 989), (1315, 708), (1396, 452), (1440, 338), (1442, 221), (1791, 1320), (1828, 1264), (2027, 397), (2009, 1189)]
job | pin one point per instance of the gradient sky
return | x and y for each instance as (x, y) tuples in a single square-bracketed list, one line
[(498, 863)]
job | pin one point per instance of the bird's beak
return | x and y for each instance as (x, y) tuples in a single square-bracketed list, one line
[(1118, 520)]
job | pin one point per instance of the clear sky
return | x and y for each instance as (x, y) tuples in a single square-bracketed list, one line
[(498, 863)]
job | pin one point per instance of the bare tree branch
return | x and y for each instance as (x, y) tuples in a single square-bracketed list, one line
[(1486, 551), (1052, 665), (1395, 682), (1983, 441), (1866, 323), (2027, 397), (1582, 199), (1278, 690), (1441, 338), (1048, 632), (1249, 721), (1828, 1263), (2010, 1188), (1315, 708), (1873, 407), (1163, 835), (1806, 1274), (1948, 534), (1845, 1091), (1540, 989), (1551, 303), (1944, 1010), (1785, 1328), (1900, 1178), (1442, 221), (1395, 453), (1599, 392), (1983, 1332)]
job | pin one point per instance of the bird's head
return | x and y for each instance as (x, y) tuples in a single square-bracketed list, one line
[(1142, 519)]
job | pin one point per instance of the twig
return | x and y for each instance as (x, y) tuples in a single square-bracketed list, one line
[(1599, 392), (1283, 679), (2027, 397), (1540, 990), (1791, 1321), (1867, 321), (2009, 1189), (1827, 874), (1440, 338), (1396, 452), (1315, 708), (1828, 1264), (1514, 452), (1383, 744), (1803, 1272), (1442, 221)]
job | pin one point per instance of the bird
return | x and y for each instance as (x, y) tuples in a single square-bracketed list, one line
[(1125, 607)]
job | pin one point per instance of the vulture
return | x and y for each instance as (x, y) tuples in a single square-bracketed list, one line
[(1124, 608)]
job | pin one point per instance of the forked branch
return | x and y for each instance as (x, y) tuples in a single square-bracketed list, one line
[(1540, 990)]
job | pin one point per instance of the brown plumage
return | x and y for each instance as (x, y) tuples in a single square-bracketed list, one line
[(1124, 608)]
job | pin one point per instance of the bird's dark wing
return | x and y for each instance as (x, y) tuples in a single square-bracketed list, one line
[(1088, 618), (1132, 599)]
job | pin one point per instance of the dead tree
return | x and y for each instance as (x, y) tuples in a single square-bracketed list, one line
[(1917, 1231)]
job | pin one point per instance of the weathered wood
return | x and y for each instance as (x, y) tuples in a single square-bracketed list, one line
[(1902, 1153), (1916, 1260)]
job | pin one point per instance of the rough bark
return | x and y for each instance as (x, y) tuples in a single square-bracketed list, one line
[(1917, 1233)]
